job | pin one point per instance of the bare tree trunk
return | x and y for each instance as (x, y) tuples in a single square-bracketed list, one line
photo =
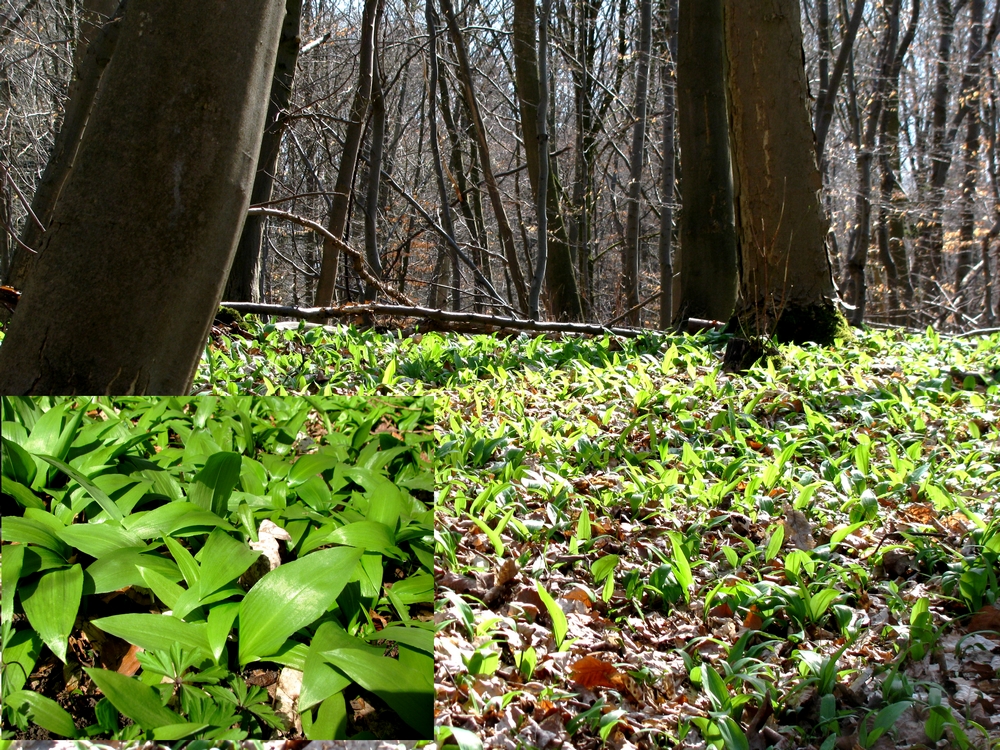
[(866, 154), (503, 225), (970, 154), (80, 102), (245, 283), (828, 88), (786, 288), (542, 155), (709, 275), (559, 273), (432, 82), (668, 81), (891, 220), (150, 215), (93, 15), (631, 251), (375, 180), (326, 291)]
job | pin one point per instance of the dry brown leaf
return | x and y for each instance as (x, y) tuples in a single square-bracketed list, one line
[(753, 619), (591, 672)]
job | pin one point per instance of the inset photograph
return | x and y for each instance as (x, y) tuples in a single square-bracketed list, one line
[(217, 568)]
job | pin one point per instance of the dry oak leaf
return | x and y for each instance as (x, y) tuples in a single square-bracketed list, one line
[(988, 618), (591, 672)]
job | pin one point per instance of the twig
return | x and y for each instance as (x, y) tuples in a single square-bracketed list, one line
[(487, 322), (343, 246)]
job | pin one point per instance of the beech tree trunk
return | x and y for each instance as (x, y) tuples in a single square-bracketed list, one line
[(786, 288), (668, 80), (559, 274), (89, 69), (245, 282), (631, 250), (134, 261), (708, 233)]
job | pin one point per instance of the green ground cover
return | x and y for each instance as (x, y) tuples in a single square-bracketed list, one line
[(637, 549), (223, 568)]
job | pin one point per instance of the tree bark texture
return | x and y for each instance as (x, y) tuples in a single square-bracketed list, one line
[(326, 289), (786, 287), (375, 180), (668, 81), (630, 250), (560, 277), (709, 275), (245, 282), (136, 256), (80, 101)]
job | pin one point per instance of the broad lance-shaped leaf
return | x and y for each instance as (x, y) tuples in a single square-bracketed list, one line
[(292, 596), (223, 559), (155, 632), (42, 711), (10, 574), (51, 603), (137, 701), (408, 692), (89, 487), (213, 485)]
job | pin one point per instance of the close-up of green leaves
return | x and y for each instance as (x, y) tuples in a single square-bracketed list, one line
[(226, 568)]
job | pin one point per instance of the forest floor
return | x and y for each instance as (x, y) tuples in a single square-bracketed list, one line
[(638, 549)]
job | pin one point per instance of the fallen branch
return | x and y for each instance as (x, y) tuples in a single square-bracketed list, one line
[(365, 274), (317, 314)]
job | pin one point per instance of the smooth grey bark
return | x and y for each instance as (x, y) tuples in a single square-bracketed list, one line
[(79, 103), (668, 81), (709, 275), (326, 288), (786, 288), (637, 154), (246, 281), (135, 258)]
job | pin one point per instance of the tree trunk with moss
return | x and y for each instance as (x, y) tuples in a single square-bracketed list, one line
[(131, 274), (786, 286)]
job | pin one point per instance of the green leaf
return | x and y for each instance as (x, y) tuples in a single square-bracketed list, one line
[(415, 637), (331, 720), (30, 531), (20, 654), (51, 604), (22, 495), (220, 623), (89, 487), (681, 566), (155, 632), (185, 562), (368, 535), (409, 693), (120, 569), (166, 590), (463, 738), (136, 700), (774, 543), (290, 597), (715, 689), (309, 466), (18, 464), (170, 732), (213, 485), (560, 625), (10, 574), (223, 559), (98, 539), (42, 711)]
